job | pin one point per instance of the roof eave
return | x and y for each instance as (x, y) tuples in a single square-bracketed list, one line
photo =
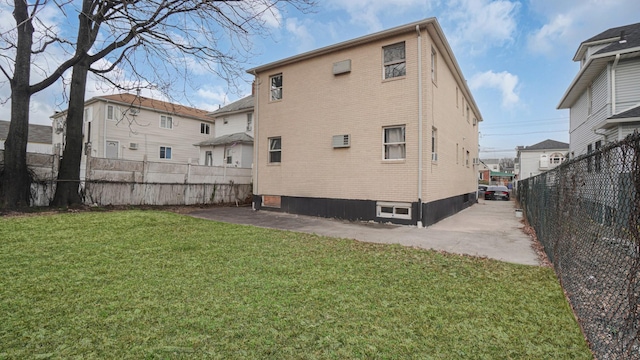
[(566, 102), (430, 24), (343, 45), (585, 45), (611, 123)]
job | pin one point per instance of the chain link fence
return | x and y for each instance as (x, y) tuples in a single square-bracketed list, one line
[(586, 214)]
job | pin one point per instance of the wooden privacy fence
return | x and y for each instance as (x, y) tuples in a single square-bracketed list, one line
[(126, 182)]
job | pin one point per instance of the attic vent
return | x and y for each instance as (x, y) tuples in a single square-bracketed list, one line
[(342, 67), (341, 141)]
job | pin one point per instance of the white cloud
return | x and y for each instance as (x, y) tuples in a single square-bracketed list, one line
[(477, 25), (303, 38), (567, 26), (370, 13), (504, 81)]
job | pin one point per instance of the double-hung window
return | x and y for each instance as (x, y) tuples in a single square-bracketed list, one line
[(166, 122), (249, 121), (434, 65), (275, 150), (165, 152), (205, 128), (394, 142), (276, 87), (434, 144), (110, 112), (394, 61)]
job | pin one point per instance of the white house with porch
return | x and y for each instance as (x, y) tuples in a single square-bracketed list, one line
[(232, 145)]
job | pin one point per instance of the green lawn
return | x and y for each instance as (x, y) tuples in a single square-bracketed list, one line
[(150, 284)]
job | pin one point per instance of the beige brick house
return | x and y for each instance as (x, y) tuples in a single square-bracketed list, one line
[(382, 127)]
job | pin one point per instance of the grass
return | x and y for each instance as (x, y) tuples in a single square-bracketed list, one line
[(157, 285)]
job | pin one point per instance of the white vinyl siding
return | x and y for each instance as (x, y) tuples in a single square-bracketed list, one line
[(582, 124), (627, 80)]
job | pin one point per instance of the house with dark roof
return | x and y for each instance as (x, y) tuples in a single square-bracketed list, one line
[(133, 127), (39, 139), (604, 97), (232, 144), (540, 157)]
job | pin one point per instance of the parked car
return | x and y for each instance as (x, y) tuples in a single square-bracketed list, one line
[(497, 192), (482, 189)]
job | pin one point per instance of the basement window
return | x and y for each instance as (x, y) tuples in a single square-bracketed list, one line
[(393, 210)]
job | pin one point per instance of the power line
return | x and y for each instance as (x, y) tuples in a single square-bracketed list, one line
[(527, 133)]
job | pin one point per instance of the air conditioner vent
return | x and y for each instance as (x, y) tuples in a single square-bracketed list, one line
[(133, 146), (434, 156), (341, 141)]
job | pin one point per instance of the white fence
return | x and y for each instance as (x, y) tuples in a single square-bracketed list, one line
[(126, 182)]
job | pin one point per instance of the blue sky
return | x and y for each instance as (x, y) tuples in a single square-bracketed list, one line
[(515, 55)]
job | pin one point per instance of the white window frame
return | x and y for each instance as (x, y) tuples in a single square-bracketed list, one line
[(434, 65), (275, 92), (228, 156), (394, 62), (166, 122), (272, 151), (205, 128), (393, 210), (161, 148), (249, 121), (113, 112), (402, 144), (434, 144)]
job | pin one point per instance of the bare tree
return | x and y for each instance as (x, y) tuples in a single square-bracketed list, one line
[(506, 164), (166, 36), (16, 67)]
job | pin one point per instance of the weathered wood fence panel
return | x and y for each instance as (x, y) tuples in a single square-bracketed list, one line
[(127, 182)]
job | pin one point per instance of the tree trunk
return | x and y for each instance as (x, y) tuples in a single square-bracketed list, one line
[(68, 188), (16, 183)]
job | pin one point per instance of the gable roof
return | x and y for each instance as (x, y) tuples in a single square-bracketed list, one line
[(614, 36), (37, 133), (618, 48), (432, 27), (490, 161), (626, 117), (546, 145), (136, 101), (237, 138), (244, 104)]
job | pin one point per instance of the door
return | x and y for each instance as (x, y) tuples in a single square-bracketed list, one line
[(112, 149)]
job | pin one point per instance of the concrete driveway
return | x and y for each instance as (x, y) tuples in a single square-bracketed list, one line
[(486, 229)]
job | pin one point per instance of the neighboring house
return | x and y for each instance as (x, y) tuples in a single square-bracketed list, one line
[(484, 172), (541, 157), (233, 142), (382, 128), (604, 98), (39, 139), (132, 127), (492, 164)]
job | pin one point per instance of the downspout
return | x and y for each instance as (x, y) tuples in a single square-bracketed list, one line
[(419, 223), (255, 92), (613, 84)]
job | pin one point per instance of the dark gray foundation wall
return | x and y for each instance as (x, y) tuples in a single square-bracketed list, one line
[(365, 210)]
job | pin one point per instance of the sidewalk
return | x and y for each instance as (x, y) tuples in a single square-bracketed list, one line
[(487, 229)]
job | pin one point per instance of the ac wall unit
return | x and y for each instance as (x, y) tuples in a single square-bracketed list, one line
[(475, 121), (133, 146), (476, 161), (341, 141), (434, 156)]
